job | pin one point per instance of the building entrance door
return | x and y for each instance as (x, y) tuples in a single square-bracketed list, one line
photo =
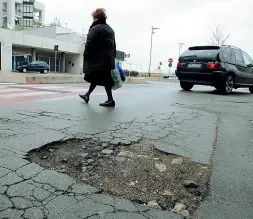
[(18, 60)]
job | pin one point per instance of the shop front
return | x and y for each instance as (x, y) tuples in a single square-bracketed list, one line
[(23, 58)]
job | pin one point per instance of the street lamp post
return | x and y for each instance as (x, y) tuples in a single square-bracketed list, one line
[(151, 47), (180, 46)]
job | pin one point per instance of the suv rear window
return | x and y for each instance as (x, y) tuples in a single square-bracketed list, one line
[(202, 51), (238, 55)]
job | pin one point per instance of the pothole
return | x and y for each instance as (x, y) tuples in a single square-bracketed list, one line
[(137, 172)]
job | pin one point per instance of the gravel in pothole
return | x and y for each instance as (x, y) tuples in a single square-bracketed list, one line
[(136, 172)]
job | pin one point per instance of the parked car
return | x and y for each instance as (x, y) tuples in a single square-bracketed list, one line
[(166, 75), (36, 66), (225, 67)]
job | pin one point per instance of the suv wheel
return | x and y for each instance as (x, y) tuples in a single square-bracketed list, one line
[(186, 85), (24, 70), (251, 90), (227, 86)]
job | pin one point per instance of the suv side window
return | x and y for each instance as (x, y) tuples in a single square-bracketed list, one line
[(227, 53), (247, 58), (238, 55)]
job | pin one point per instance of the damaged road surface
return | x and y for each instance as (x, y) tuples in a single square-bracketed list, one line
[(130, 164), (146, 177), (188, 155)]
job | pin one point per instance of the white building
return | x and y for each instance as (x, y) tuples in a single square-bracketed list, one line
[(19, 46), (17, 14), (38, 44)]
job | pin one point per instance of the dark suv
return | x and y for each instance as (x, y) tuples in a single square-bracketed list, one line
[(224, 67)]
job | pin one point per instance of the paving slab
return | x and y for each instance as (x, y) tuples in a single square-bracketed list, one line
[(21, 203), (29, 171), (34, 213), (69, 207), (22, 189), (120, 215), (5, 203), (82, 189), (12, 163), (162, 215), (10, 179), (3, 189), (55, 179), (4, 171), (12, 214), (193, 139)]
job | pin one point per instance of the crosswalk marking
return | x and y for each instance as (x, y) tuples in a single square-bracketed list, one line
[(24, 94), (6, 83), (16, 94)]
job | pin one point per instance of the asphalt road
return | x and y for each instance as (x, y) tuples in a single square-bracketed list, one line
[(208, 127)]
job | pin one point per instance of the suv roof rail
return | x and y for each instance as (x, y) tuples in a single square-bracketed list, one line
[(231, 46)]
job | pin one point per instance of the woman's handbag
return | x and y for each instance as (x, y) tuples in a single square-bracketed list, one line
[(116, 78)]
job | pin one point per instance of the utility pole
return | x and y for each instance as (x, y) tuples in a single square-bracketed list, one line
[(180, 46), (151, 47), (130, 69)]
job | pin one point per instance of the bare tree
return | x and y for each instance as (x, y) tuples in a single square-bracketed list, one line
[(218, 36)]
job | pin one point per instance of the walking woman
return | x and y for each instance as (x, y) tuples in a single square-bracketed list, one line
[(99, 57)]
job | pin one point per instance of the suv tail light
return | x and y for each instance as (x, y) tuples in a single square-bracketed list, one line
[(180, 65), (214, 65)]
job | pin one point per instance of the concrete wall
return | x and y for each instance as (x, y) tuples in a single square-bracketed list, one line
[(49, 32), (54, 32), (62, 30), (1, 13), (20, 38), (6, 52), (17, 38), (71, 37), (77, 60), (11, 13)]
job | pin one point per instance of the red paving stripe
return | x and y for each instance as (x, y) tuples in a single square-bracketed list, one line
[(23, 89), (30, 99), (5, 88), (18, 92), (17, 101), (27, 99), (46, 87)]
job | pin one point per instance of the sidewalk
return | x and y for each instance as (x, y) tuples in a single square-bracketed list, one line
[(52, 78)]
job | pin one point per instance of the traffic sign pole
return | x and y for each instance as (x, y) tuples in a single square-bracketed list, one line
[(170, 65)]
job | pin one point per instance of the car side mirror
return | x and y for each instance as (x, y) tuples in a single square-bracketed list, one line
[(250, 65)]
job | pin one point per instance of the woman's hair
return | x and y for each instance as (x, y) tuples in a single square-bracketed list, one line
[(99, 13)]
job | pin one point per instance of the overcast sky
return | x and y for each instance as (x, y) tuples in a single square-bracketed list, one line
[(185, 21)]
